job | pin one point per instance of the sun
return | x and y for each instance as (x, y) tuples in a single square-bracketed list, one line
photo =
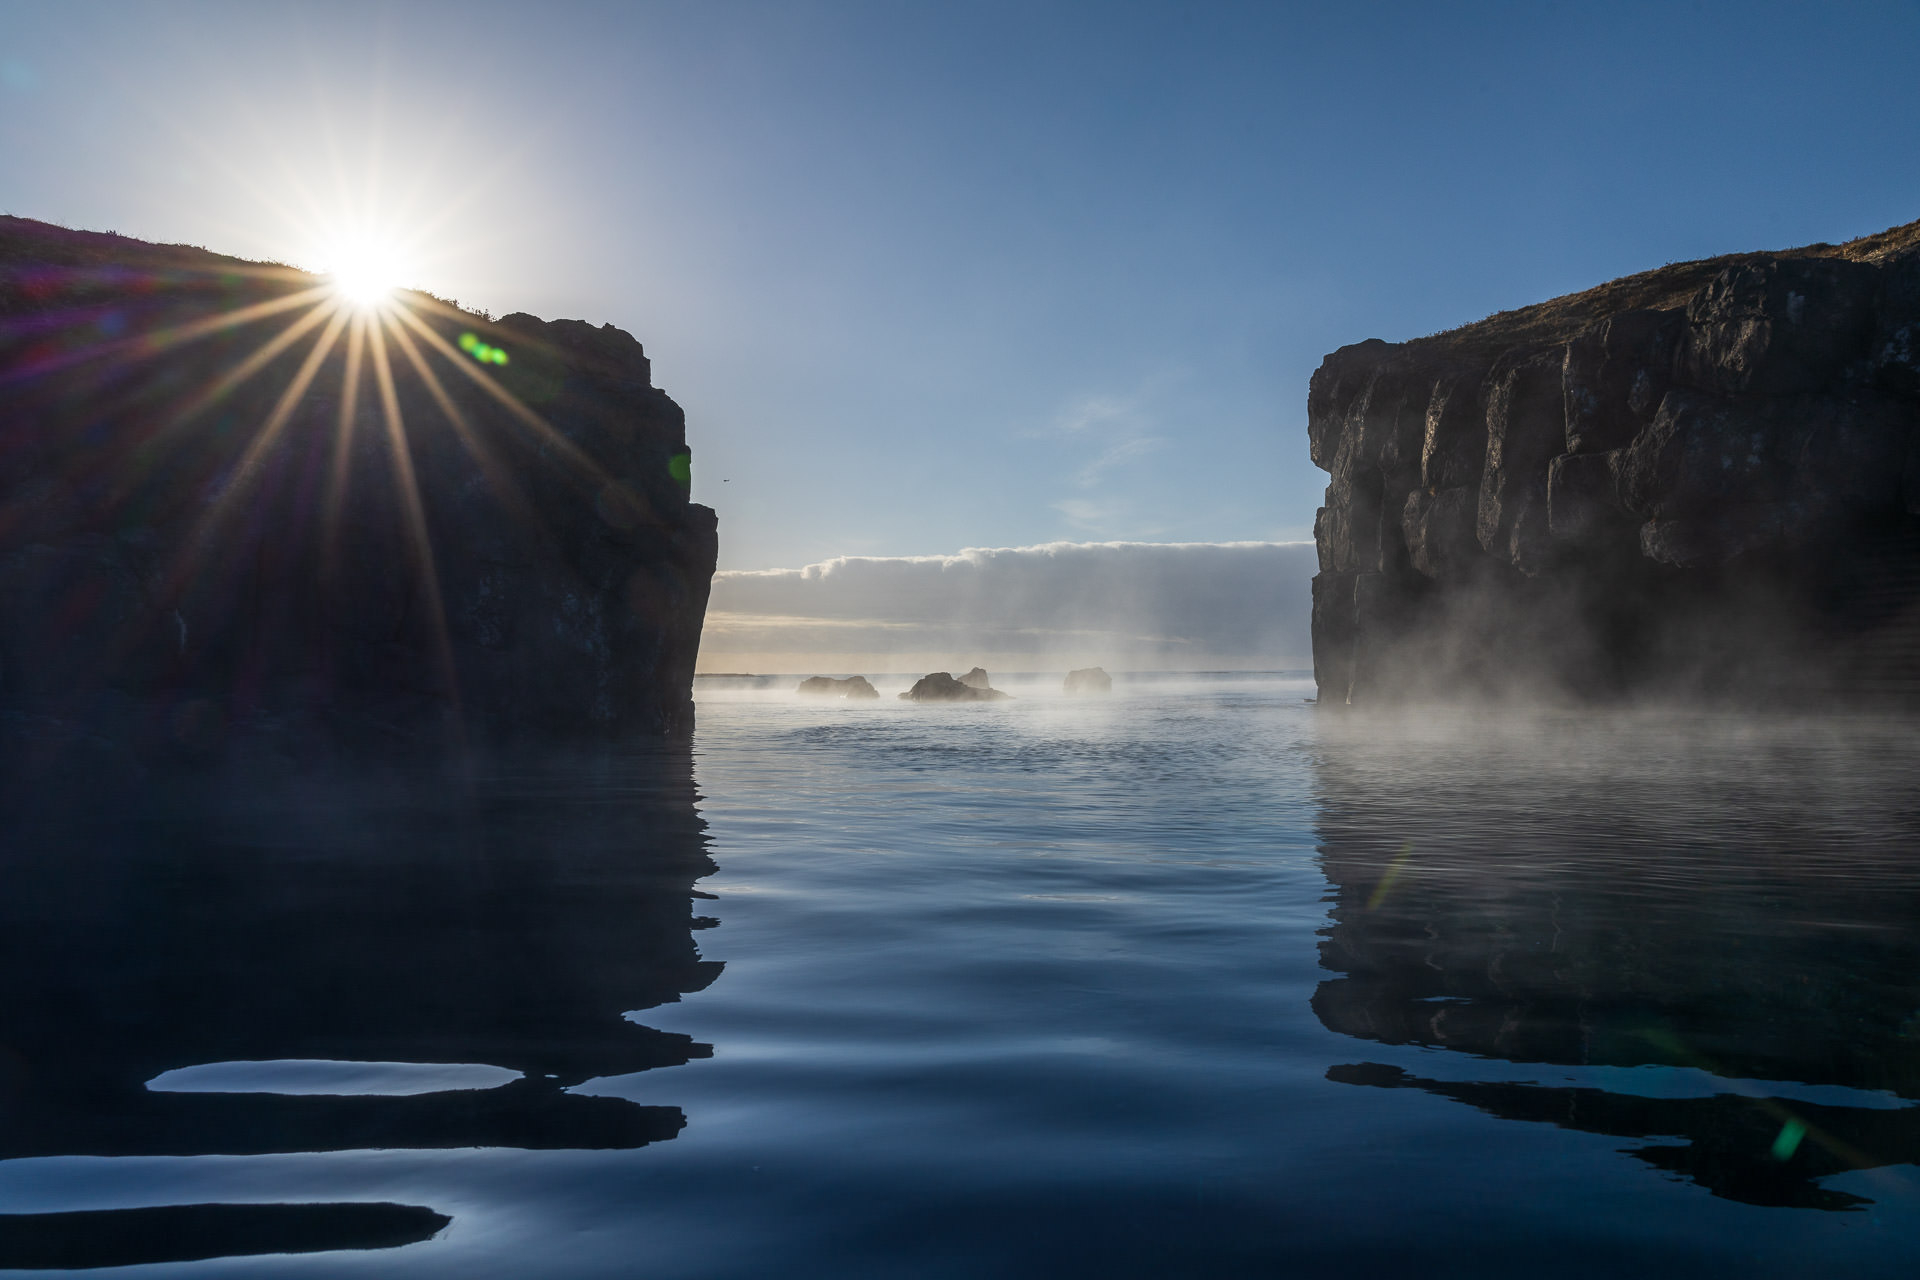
[(365, 272)]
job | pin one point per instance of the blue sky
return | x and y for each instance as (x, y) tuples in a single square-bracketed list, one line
[(930, 276)]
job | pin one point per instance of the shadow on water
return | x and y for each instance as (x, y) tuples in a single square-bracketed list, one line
[(510, 918), (196, 1232), (1725, 910)]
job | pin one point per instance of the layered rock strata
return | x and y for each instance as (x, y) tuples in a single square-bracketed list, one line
[(233, 506), (1703, 480)]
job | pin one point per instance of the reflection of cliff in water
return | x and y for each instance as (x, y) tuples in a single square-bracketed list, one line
[(508, 921), (1719, 904)]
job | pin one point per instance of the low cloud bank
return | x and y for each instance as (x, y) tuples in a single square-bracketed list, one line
[(1180, 606)]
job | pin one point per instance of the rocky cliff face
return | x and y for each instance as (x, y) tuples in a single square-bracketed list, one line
[(1701, 480), (233, 508)]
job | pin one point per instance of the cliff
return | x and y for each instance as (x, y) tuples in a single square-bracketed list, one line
[(233, 507), (1702, 480)]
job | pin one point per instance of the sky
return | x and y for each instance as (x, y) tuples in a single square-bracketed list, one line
[(1126, 606), (929, 277)]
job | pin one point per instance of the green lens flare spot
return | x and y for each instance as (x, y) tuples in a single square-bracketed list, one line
[(680, 467), (1789, 1140), (1392, 873), (481, 351)]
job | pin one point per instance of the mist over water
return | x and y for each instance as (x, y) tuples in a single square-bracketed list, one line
[(1192, 979)]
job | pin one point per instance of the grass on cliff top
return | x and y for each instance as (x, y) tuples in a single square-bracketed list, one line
[(28, 242), (48, 243), (1664, 287)]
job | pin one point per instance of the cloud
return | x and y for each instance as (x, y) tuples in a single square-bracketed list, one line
[(1110, 432), (1116, 454), (1092, 516), (1123, 605), (1098, 411)]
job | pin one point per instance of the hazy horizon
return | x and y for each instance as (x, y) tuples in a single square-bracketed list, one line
[(1126, 606)]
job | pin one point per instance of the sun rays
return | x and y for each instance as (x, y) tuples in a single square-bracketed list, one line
[(344, 346)]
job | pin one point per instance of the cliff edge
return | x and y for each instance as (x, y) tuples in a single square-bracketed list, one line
[(236, 508), (1700, 481)]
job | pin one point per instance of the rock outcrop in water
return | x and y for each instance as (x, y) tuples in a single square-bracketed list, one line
[(940, 686), (977, 679), (828, 687), (232, 507), (1703, 479), (1088, 680)]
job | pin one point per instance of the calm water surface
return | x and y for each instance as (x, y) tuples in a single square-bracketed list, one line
[(1190, 980)]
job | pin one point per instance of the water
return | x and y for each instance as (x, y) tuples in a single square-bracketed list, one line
[(1186, 981)]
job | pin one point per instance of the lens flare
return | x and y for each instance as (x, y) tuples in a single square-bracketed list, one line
[(481, 351), (364, 307)]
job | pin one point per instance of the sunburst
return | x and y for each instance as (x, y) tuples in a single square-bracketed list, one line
[(365, 273), (361, 304)]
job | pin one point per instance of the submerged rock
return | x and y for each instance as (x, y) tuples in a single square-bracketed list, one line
[(234, 510), (940, 686), (1700, 480), (1088, 680), (827, 687)]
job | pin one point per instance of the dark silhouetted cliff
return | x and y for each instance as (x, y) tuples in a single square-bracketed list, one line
[(232, 508), (1698, 481)]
